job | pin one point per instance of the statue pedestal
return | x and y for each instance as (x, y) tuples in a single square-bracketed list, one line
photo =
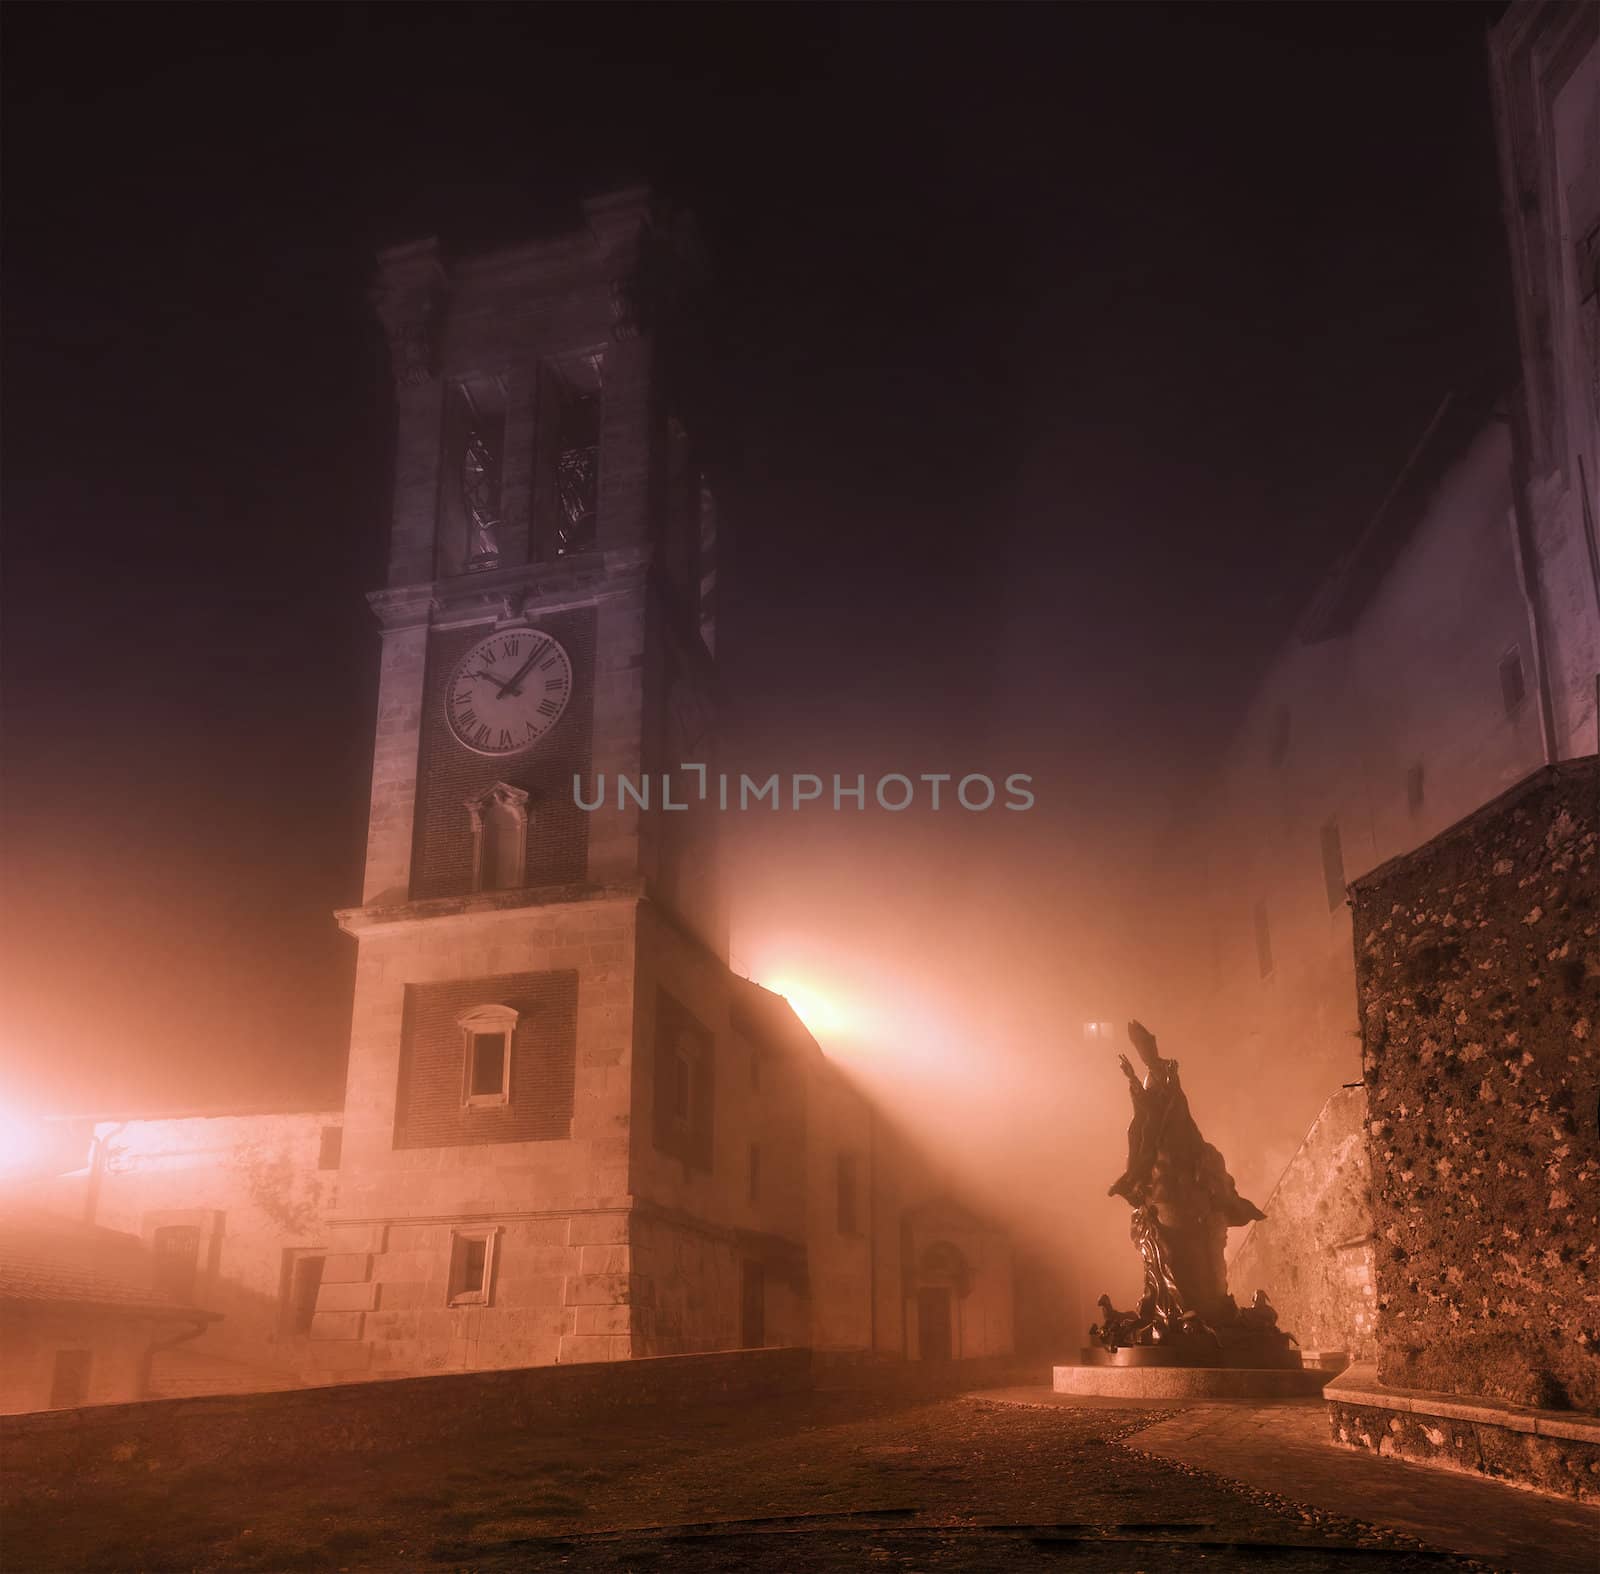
[(1165, 1379)]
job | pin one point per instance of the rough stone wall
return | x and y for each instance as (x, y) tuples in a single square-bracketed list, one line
[(1312, 1253), (1478, 972), (1549, 1456)]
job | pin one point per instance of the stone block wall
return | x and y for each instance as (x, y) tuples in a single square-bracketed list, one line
[(557, 1207), (1478, 970), (1312, 1253), (112, 1442)]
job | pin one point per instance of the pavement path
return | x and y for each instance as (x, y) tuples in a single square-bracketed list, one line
[(1284, 1448), (821, 1483)]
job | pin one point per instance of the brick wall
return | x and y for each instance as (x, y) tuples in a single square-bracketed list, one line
[(108, 1441), (429, 1109), (1478, 972), (1312, 1253)]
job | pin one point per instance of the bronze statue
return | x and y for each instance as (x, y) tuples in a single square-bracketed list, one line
[(1184, 1202)]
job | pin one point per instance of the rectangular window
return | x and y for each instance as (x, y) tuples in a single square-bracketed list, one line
[(177, 1258), (1263, 941), (578, 473), (332, 1143), (1333, 864), (69, 1379), (471, 521), (849, 1215), (471, 1267), (682, 1084), (490, 1057), (755, 1172), (1513, 686), (684, 1100)]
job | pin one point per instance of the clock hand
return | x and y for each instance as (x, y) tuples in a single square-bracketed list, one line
[(510, 687)]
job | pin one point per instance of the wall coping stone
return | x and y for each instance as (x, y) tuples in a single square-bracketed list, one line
[(485, 904), (1359, 1385)]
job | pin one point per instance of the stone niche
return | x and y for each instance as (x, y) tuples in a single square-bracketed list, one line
[(1478, 971)]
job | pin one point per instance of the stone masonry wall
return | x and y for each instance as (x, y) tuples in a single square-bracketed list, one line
[(1312, 1253), (1478, 974), (105, 1442)]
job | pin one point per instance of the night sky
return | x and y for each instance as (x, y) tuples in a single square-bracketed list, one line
[(1060, 351)]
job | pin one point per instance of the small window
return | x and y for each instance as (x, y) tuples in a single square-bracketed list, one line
[(471, 1267), (1263, 940), (1333, 864), (69, 1380), (684, 1098), (578, 473), (849, 1213), (177, 1260), (489, 1034), (1513, 686), (682, 1091), (1278, 736), (1415, 788), (328, 1152), (499, 820), (755, 1172), (488, 1065)]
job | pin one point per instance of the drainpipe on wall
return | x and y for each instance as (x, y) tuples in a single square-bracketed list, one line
[(195, 1329), (97, 1169)]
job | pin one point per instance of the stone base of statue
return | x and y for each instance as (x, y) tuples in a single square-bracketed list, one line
[(1247, 1354), (1147, 1379)]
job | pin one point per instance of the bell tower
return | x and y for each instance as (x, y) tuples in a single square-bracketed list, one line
[(542, 994)]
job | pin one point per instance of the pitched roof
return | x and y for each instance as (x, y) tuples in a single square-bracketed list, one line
[(48, 1259)]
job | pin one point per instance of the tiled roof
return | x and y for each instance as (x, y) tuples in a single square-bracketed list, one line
[(46, 1259)]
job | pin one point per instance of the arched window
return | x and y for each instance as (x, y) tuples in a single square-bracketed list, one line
[(499, 816)]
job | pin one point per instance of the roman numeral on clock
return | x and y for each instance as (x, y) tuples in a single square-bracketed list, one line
[(549, 707)]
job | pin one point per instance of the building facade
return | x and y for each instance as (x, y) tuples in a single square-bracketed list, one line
[(1453, 653), (1544, 73), (228, 1210), (571, 1133)]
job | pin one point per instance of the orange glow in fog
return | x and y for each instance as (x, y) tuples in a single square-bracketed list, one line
[(23, 1142), (821, 1013)]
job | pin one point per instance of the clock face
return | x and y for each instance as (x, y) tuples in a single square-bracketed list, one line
[(508, 691)]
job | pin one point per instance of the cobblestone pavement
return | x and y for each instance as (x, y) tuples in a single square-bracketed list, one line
[(816, 1482)]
